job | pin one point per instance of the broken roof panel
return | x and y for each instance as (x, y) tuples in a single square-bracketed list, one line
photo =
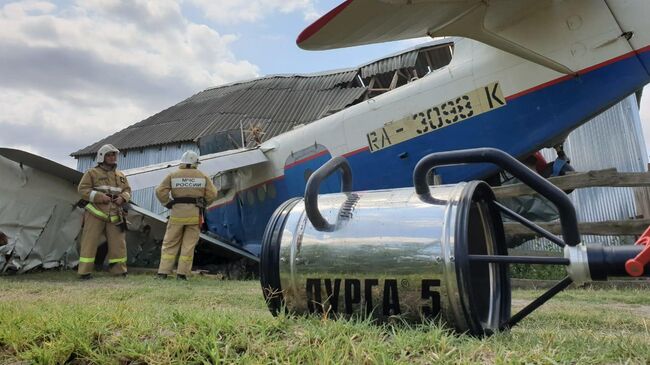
[(390, 64), (423, 58), (276, 103)]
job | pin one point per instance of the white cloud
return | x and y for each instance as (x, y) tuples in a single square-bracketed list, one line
[(55, 127), (29, 7), (237, 11), (72, 75)]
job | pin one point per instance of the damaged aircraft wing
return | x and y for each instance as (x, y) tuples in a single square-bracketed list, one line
[(152, 175)]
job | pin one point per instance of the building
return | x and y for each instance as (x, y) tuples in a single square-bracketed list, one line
[(244, 113)]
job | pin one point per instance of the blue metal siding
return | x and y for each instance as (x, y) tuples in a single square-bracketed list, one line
[(146, 198)]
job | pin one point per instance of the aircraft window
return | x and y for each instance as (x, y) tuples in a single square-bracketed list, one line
[(240, 200), (272, 192), (261, 193), (250, 197)]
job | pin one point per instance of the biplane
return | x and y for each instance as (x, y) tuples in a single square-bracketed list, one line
[(522, 76)]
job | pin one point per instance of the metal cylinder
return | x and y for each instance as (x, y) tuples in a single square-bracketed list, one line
[(391, 253)]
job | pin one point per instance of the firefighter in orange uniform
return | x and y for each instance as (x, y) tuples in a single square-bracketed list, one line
[(106, 190), (186, 192)]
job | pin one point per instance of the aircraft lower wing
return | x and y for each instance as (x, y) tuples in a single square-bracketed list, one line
[(359, 22), (148, 176), (224, 249)]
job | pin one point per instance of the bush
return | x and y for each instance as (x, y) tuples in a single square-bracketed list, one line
[(537, 272)]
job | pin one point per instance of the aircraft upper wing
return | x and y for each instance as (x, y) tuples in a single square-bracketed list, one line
[(148, 176), (358, 22)]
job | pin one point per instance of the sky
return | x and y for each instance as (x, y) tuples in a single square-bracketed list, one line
[(73, 72)]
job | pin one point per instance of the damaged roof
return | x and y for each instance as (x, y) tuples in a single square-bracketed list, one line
[(275, 103)]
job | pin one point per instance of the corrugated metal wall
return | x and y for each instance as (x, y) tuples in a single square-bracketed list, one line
[(146, 198), (613, 139), (143, 157), (139, 158)]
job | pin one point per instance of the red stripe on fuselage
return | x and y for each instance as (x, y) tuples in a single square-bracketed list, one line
[(644, 49), (316, 155), (362, 149), (581, 72)]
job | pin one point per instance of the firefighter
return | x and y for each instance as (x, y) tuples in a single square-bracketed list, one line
[(186, 192), (104, 191)]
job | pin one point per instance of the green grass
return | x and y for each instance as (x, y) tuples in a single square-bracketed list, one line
[(52, 318)]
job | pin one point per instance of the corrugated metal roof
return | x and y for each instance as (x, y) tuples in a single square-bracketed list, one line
[(390, 64), (277, 103), (435, 55)]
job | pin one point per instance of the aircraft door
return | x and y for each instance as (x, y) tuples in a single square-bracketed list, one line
[(302, 163)]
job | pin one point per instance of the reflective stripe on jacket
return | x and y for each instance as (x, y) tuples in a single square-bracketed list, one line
[(100, 214), (98, 181)]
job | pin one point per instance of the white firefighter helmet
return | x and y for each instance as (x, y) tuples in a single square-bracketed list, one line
[(190, 158), (103, 150)]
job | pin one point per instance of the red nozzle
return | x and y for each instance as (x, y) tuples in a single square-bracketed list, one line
[(634, 267)]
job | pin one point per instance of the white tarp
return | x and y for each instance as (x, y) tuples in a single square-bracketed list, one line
[(39, 217)]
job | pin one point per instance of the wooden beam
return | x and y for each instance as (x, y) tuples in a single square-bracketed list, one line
[(606, 178), (393, 82), (630, 227), (372, 82)]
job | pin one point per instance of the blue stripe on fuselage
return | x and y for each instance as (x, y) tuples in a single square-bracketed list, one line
[(524, 125), (644, 55)]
